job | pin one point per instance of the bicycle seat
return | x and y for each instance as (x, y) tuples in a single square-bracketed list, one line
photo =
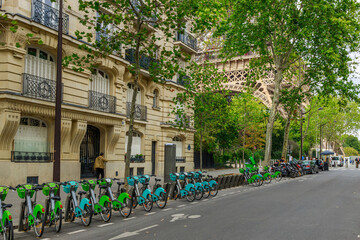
[(120, 183), (82, 192), (56, 198), (4, 205), (157, 179)]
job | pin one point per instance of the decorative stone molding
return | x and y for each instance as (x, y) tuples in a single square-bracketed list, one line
[(9, 124), (65, 135), (113, 138), (77, 134)]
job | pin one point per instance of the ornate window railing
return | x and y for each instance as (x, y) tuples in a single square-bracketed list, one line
[(137, 159), (19, 156), (180, 159), (140, 111), (187, 39), (38, 87), (145, 61), (102, 102), (48, 16)]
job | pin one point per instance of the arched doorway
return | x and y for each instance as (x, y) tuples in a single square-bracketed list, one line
[(89, 150)]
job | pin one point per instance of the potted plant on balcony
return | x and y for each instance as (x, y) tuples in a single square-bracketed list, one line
[(139, 157)]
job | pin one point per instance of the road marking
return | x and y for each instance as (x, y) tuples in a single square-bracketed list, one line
[(104, 225), (205, 200), (78, 231), (166, 209), (179, 216), (150, 213), (182, 205), (130, 234), (194, 216), (194, 203), (126, 219)]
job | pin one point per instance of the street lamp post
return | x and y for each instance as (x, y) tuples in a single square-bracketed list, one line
[(57, 137)]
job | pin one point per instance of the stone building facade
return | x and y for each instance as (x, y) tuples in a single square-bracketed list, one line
[(94, 112)]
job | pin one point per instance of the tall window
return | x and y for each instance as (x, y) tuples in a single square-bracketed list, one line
[(40, 63), (156, 98), (179, 146), (136, 143), (32, 136), (100, 82), (131, 92)]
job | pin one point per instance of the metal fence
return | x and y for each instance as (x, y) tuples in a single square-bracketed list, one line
[(137, 159), (145, 61), (102, 102), (140, 111), (180, 159), (48, 16)]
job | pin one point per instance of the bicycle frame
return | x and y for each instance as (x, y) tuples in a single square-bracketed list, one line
[(4, 215), (71, 188), (54, 205)]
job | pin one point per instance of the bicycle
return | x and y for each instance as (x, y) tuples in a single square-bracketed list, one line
[(199, 190), (103, 206), (72, 208), (122, 203), (53, 206), (188, 192), (276, 173), (144, 199), (214, 186), (6, 223), (158, 194), (31, 214), (267, 175)]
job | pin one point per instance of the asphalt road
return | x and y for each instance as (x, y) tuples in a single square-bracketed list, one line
[(319, 206)]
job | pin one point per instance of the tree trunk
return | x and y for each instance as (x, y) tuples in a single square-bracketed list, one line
[(244, 132), (132, 113), (286, 137), (271, 120)]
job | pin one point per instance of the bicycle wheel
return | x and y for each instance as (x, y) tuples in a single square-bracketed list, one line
[(214, 190), (126, 208), (161, 203), (206, 191), (106, 213), (24, 214), (148, 204), (278, 177), (199, 193), (69, 210), (176, 193), (191, 195), (86, 215), (39, 224), (267, 180), (8, 231), (58, 220)]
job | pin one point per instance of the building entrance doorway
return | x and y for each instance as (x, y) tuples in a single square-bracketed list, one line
[(89, 151)]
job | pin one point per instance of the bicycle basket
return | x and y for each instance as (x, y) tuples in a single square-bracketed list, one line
[(241, 170), (182, 177), (21, 191), (67, 187), (130, 181), (172, 177), (144, 179), (266, 168), (3, 191), (46, 188)]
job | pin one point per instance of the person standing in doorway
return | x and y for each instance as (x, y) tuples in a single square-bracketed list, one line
[(99, 166)]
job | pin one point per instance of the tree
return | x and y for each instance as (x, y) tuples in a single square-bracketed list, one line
[(144, 26), (353, 142), (349, 151), (321, 34)]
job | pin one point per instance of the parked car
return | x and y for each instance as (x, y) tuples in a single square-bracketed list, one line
[(337, 161), (309, 167), (320, 164)]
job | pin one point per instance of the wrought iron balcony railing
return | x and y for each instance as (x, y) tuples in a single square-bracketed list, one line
[(137, 159), (38, 87), (48, 16), (181, 80), (19, 156), (180, 159), (187, 39), (140, 111), (102, 102), (145, 61)]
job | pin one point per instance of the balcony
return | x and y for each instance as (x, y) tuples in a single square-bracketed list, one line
[(145, 61), (41, 157), (149, 20), (140, 111), (181, 80), (138, 158), (102, 102), (188, 42), (48, 16), (38, 87), (180, 159)]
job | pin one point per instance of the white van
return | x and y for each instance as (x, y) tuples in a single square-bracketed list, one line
[(337, 161)]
